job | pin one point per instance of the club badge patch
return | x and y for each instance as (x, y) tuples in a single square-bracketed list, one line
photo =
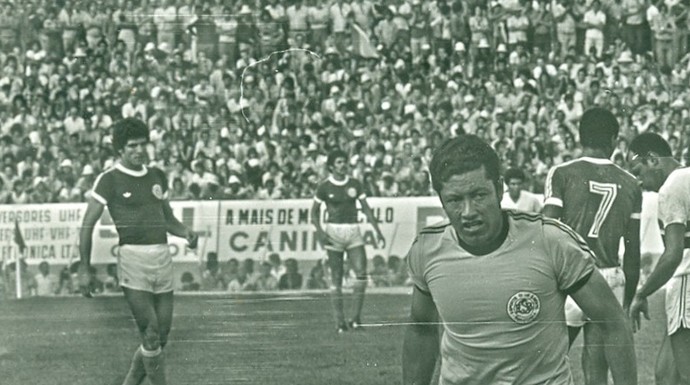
[(352, 192), (157, 191), (523, 307)]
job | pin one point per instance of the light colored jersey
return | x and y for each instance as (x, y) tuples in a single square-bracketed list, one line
[(674, 207), (527, 202), (503, 312), (599, 199)]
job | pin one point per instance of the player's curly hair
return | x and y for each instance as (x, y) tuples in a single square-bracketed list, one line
[(648, 142), (460, 155), (335, 154), (126, 129)]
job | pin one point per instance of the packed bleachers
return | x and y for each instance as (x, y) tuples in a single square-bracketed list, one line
[(245, 99)]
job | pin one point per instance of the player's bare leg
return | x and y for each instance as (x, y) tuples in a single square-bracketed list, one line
[(143, 308), (358, 258), (335, 263), (665, 372), (680, 344), (594, 365)]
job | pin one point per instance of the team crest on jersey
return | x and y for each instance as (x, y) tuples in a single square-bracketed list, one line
[(351, 192), (157, 191), (523, 307)]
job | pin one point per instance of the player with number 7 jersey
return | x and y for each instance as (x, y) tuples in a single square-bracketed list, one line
[(602, 203)]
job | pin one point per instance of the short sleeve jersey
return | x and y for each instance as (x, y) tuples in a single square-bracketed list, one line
[(599, 199), (135, 201), (340, 198), (503, 312), (674, 208)]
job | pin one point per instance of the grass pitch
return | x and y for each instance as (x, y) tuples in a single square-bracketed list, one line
[(221, 339)]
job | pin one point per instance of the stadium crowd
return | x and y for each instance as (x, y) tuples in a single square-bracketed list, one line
[(245, 99)]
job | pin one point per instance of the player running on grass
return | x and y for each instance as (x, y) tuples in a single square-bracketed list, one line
[(341, 233), (136, 197), (653, 164), (602, 203)]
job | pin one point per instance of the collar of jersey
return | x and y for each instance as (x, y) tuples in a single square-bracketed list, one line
[(338, 182), (596, 160), (127, 171)]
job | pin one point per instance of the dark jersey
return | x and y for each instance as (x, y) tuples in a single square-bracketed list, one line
[(135, 201), (598, 199), (340, 198)]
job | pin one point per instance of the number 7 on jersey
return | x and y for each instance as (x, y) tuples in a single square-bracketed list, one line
[(608, 192)]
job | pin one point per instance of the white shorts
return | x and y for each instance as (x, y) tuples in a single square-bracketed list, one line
[(677, 304), (343, 236), (575, 317), (146, 268)]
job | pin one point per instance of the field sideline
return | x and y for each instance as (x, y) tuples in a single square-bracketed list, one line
[(222, 339)]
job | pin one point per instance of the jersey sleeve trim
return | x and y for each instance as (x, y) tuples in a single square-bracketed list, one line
[(362, 196), (553, 201), (99, 198), (317, 200), (635, 216), (579, 284)]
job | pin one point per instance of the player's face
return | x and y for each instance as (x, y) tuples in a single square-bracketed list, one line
[(514, 186), (472, 203), (134, 153), (339, 167), (646, 172)]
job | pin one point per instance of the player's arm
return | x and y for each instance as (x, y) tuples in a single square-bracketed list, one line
[(316, 220), (176, 228), (663, 271), (372, 219), (420, 344), (93, 213), (631, 260), (599, 303)]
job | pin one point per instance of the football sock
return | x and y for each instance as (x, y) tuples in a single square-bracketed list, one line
[(154, 365), (136, 373), (337, 303), (359, 287)]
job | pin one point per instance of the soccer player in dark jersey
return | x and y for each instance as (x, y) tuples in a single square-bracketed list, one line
[(341, 234), (653, 164), (136, 197), (602, 203), (497, 281)]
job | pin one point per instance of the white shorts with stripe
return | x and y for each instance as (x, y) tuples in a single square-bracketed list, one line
[(343, 236), (575, 317), (677, 303), (146, 268)]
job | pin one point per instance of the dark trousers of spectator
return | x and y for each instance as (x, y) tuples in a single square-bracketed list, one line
[(665, 53), (612, 31), (228, 48), (580, 41), (542, 41), (69, 38), (209, 49), (637, 37), (316, 38), (680, 40)]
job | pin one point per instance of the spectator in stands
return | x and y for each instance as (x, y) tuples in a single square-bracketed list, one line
[(317, 277), (516, 197), (111, 284), (379, 272), (45, 282), (397, 272), (210, 278), (188, 283), (291, 279), (264, 280)]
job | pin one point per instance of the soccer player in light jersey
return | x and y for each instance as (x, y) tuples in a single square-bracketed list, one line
[(341, 234), (497, 280), (652, 162), (136, 197), (601, 202)]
